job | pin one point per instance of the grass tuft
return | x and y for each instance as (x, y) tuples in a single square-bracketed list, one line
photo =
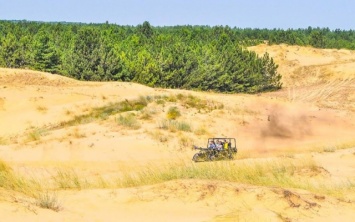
[(147, 113), (68, 179), (159, 136), (36, 134), (130, 121), (173, 125), (48, 201), (42, 109), (10, 181), (201, 130), (329, 149), (173, 113), (185, 141)]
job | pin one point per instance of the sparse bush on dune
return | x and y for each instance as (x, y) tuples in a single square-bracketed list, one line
[(191, 101), (173, 113), (174, 125), (48, 200), (160, 102), (130, 121), (172, 98), (146, 114)]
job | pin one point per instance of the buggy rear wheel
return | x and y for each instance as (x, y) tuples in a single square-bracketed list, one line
[(196, 157)]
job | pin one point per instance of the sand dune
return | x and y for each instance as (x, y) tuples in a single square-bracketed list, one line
[(310, 120)]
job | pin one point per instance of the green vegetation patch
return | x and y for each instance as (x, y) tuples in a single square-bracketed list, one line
[(173, 113), (104, 112)]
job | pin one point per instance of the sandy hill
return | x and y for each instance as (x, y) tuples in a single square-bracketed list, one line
[(103, 164), (324, 77)]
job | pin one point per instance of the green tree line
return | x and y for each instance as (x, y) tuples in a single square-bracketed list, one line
[(188, 57)]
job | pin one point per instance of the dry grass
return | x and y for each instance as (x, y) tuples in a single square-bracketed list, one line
[(174, 126), (282, 173), (159, 136), (41, 108), (185, 141), (333, 147), (49, 200), (173, 113), (68, 179), (129, 121), (3, 140), (103, 112), (36, 134), (11, 181), (68, 112), (147, 113), (201, 130), (76, 133)]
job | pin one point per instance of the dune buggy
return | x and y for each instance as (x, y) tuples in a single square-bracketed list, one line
[(217, 149)]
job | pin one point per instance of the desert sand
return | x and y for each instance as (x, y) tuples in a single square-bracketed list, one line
[(312, 120)]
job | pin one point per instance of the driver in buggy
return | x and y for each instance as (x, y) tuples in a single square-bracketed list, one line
[(226, 145)]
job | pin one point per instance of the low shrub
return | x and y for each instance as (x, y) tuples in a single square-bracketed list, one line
[(129, 121), (173, 113)]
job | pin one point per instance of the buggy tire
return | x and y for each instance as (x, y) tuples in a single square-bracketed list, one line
[(195, 157), (211, 157)]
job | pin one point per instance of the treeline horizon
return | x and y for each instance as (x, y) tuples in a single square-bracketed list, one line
[(187, 57)]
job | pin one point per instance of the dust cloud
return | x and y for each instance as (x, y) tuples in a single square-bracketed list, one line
[(286, 123)]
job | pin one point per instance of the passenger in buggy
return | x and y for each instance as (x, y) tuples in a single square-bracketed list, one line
[(219, 146), (226, 145), (212, 145)]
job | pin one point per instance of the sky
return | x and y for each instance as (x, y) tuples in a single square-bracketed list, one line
[(282, 14)]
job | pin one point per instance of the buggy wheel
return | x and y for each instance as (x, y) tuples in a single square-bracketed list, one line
[(195, 157), (211, 157)]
